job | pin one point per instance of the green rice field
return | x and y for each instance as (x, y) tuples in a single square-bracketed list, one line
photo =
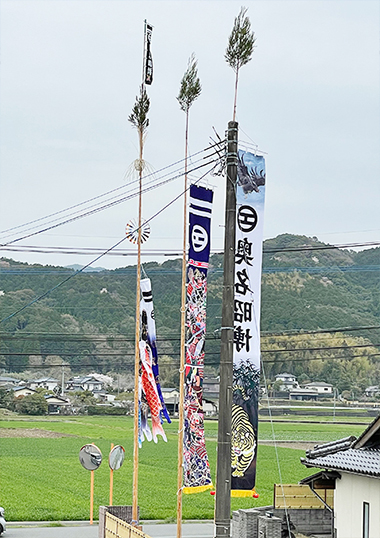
[(41, 478)]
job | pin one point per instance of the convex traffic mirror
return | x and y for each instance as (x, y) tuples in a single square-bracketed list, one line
[(90, 457), (116, 457)]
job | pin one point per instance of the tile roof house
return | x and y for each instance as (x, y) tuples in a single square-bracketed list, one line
[(55, 403), (288, 381), (22, 391), (171, 399), (48, 383), (356, 463), (320, 387), (8, 381), (79, 383)]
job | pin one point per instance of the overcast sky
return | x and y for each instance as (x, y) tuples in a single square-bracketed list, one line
[(70, 71)]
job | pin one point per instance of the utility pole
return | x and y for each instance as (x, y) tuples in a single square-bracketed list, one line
[(223, 469)]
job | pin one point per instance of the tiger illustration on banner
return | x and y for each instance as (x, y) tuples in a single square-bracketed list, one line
[(250, 195)]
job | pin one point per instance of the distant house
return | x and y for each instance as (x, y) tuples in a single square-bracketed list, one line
[(372, 392), (104, 396), (211, 387), (210, 408), (22, 391), (352, 467), (320, 387), (77, 384), (303, 394), (171, 399), (8, 382), (288, 381), (55, 403), (47, 383)]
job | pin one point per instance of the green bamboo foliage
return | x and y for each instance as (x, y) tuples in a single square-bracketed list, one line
[(139, 119), (190, 88), (240, 47), (139, 114)]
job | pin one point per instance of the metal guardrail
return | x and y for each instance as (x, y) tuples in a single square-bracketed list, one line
[(117, 528)]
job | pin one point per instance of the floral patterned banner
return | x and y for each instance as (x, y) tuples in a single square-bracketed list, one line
[(196, 466)]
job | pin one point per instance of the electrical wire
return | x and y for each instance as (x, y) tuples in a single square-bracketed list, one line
[(110, 191), (306, 248), (102, 208), (98, 257), (173, 363), (209, 336)]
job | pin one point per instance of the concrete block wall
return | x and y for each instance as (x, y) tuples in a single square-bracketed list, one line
[(248, 525), (269, 527), (235, 524), (245, 523), (308, 520)]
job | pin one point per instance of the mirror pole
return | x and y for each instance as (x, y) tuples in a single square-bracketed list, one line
[(92, 499), (111, 480)]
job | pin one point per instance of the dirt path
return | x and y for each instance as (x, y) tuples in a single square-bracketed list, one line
[(31, 432), (299, 445)]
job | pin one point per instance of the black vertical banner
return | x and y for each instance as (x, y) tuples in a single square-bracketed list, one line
[(148, 56)]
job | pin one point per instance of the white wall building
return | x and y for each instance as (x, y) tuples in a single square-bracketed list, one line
[(357, 487), (320, 387), (288, 381), (47, 383), (84, 383)]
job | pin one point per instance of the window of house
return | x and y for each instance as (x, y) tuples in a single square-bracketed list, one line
[(365, 520)]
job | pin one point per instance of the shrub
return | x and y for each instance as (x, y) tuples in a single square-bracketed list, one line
[(33, 404)]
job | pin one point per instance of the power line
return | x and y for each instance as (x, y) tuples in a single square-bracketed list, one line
[(100, 256), (173, 363), (209, 336), (101, 208), (320, 331), (306, 248), (110, 191), (121, 352), (90, 251)]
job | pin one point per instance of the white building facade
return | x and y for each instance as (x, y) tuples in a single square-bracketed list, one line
[(357, 506), (357, 489)]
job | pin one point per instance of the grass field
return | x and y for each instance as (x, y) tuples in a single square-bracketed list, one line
[(42, 479)]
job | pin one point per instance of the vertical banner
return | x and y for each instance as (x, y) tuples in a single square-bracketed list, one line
[(148, 79), (250, 195), (197, 475), (150, 394)]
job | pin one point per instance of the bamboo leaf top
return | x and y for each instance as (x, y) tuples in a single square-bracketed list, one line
[(241, 42), (138, 116), (190, 87)]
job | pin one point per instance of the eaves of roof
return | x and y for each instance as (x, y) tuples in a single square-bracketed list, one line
[(353, 460)]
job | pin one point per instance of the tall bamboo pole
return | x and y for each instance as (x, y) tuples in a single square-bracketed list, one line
[(190, 90), (137, 351), (135, 515), (182, 355)]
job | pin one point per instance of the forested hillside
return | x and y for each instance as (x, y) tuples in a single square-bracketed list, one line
[(307, 288)]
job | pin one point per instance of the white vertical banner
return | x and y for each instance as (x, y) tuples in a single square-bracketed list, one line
[(250, 195)]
